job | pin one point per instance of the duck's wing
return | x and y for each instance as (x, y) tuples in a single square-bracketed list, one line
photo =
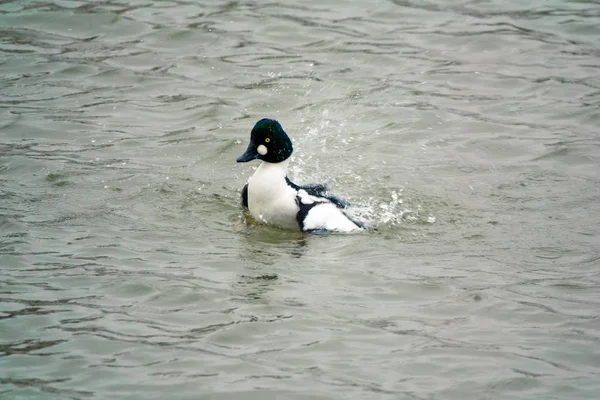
[(315, 215), (319, 191), (245, 196)]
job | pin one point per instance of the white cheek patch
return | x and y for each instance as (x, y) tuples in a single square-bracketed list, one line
[(262, 150)]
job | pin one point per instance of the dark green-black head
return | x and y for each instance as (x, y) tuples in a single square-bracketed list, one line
[(268, 142)]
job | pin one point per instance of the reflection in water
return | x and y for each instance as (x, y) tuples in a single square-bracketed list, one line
[(253, 288), (266, 249), (266, 244)]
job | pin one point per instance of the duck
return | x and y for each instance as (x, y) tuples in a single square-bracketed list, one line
[(273, 199)]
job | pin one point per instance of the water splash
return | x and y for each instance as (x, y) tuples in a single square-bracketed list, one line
[(388, 211), (321, 156)]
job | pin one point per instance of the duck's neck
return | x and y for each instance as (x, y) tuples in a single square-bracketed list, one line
[(280, 166)]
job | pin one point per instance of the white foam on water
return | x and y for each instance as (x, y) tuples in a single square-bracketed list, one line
[(388, 211)]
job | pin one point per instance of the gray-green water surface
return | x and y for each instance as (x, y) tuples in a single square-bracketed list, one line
[(466, 132)]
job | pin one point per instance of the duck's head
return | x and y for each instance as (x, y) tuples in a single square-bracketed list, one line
[(268, 142)]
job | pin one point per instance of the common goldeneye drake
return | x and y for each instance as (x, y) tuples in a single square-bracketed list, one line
[(272, 198)]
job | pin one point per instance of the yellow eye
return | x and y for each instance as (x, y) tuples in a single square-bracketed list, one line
[(267, 140)]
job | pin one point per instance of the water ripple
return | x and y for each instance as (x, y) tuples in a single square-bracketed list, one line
[(465, 134)]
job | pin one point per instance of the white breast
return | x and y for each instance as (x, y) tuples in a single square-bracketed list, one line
[(270, 199)]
